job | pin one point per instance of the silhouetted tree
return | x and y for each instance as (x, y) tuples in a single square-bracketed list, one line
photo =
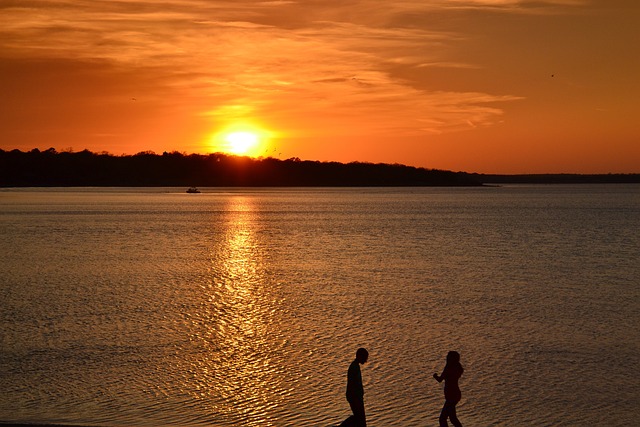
[(146, 168)]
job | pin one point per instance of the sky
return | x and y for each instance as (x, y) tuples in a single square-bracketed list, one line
[(488, 86)]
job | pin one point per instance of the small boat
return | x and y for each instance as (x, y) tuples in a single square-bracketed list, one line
[(193, 190)]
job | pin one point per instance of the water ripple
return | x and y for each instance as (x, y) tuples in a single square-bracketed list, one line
[(246, 308)]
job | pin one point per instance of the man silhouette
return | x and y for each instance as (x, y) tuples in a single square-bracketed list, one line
[(355, 391)]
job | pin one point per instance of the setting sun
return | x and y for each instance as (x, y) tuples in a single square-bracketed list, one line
[(241, 142), (244, 139)]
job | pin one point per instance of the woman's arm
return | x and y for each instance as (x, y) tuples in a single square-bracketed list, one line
[(442, 376)]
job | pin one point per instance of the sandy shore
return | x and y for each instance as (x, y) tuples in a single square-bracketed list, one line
[(42, 425)]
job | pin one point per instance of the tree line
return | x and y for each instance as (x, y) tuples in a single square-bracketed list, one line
[(37, 168)]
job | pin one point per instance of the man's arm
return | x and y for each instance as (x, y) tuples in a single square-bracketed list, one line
[(354, 381)]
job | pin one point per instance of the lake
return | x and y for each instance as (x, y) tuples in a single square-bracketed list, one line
[(150, 306)]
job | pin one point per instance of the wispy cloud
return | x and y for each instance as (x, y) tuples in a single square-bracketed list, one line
[(280, 60)]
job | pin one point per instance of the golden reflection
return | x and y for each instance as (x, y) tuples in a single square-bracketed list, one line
[(240, 373)]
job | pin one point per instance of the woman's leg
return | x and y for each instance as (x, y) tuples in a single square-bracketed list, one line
[(444, 414), (453, 416), (449, 411)]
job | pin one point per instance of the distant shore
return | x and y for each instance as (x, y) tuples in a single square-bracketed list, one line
[(616, 178), (50, 168), (86, 169)]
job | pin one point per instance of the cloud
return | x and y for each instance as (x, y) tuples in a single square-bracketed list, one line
[(273, 59)]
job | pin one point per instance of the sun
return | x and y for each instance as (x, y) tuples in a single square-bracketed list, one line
[(242, 139), (241, 142)]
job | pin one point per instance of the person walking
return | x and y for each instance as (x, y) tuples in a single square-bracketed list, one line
[(355, 391), (450, 375)]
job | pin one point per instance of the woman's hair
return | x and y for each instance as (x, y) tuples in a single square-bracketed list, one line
[(453, 361)]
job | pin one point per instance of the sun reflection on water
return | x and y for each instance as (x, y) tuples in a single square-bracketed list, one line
[(238, 371)]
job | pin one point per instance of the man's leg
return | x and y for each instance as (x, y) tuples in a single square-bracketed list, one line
[(357, 406), (349, 422)]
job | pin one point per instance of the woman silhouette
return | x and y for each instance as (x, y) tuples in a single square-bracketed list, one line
[(452, 395)]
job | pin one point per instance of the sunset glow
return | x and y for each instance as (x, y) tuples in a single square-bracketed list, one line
[(241, 142), (241, 139), (494, 86)]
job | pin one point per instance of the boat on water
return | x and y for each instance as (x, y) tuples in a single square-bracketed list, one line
[(193, 190)]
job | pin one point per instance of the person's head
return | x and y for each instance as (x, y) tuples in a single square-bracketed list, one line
[(362, 355), (453, 357)]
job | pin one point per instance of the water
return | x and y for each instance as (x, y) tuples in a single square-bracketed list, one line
[(145, 307)]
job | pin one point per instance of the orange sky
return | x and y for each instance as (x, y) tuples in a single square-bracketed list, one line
[(492, 86)]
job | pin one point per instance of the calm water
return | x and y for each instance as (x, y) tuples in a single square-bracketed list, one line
[(144, 307)]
